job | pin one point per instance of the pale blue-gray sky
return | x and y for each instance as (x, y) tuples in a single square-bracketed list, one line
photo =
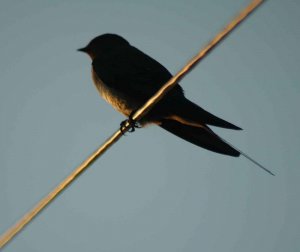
[(151, 191)]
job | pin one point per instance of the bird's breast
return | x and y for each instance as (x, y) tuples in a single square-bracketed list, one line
[(112, 96)]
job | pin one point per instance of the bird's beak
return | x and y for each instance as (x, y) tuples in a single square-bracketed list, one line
[(83, 49)]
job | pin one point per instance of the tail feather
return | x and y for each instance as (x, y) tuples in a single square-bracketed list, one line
[(200, 137), (249, 158), (192, 112), (206, 138)]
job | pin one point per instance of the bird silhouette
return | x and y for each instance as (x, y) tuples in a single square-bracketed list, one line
[(126, 78)]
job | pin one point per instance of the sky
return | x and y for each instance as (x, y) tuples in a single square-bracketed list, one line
[(151, 191)]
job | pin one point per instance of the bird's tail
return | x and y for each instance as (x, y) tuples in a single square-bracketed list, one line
[(192, 112), (248, 157), (206, 138), (199, 136)]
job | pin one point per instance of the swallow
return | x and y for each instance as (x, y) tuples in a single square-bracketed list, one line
[(126, 78)]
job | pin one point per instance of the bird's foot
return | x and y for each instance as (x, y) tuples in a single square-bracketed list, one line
[(133, 124)]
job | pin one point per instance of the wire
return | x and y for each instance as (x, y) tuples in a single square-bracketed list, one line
[(27, 218)]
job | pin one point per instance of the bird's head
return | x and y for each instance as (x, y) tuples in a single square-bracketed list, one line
[(103, 43)]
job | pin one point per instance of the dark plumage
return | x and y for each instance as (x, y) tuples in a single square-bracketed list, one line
[(127, 78)]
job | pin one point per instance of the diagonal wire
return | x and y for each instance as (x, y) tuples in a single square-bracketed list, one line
[(15, 229)]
